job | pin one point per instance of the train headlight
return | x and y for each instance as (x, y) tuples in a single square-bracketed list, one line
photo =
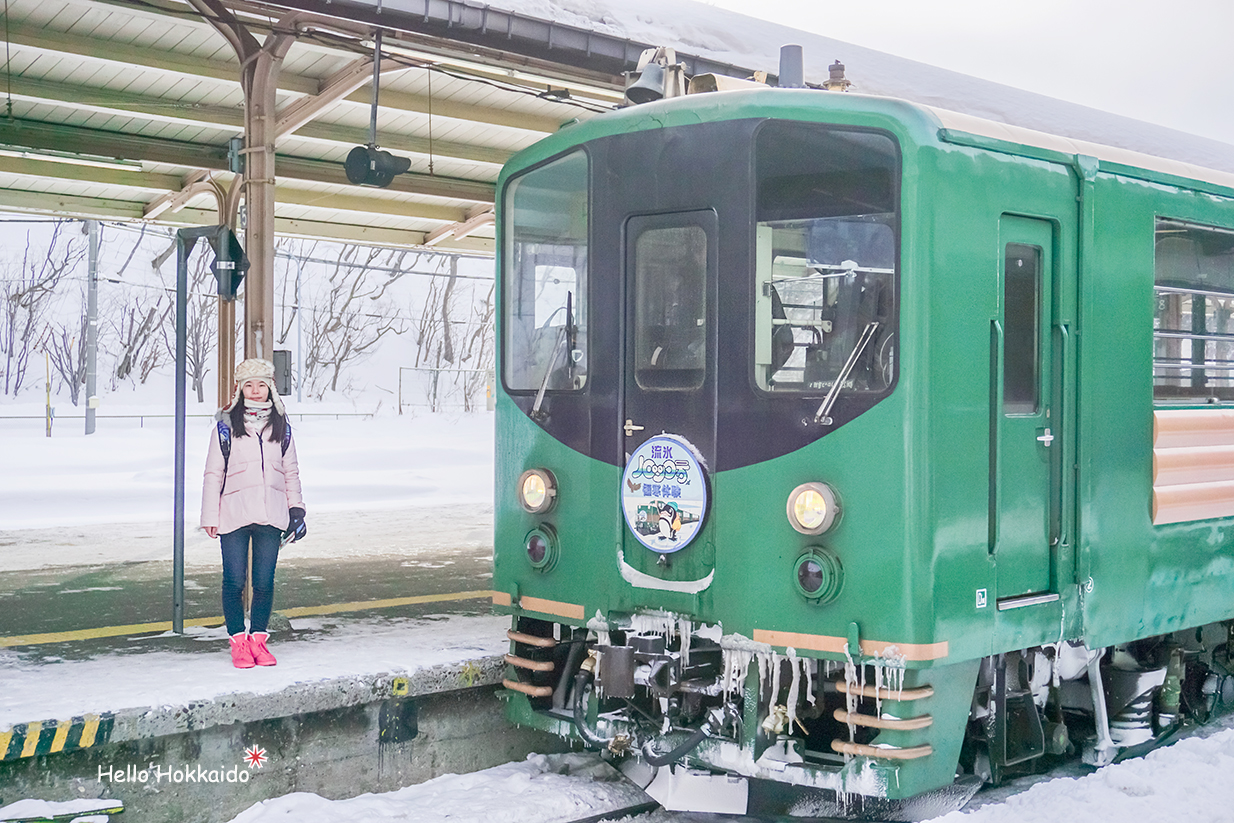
[(813, 508), (541, 547), (819, 575), (537, 490)]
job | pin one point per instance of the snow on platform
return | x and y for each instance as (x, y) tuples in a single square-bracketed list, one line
[(153, 690)]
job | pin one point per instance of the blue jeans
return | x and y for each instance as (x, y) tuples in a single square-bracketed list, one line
[(235, 544)]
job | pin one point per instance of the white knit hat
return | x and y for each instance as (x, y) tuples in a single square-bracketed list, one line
[(256, 369)]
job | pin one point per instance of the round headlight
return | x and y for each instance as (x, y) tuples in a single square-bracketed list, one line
[(537, 490), (813, 508), (819, 575), (541, 547)]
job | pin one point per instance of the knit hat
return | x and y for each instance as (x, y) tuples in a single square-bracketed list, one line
[(256, 369)]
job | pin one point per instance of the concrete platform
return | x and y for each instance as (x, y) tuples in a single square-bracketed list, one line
[(388, 675)]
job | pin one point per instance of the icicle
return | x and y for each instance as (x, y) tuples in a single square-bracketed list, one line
[(878, 687), (794, 688), (736, 667), (850, 697), (739, 653), (685, 628), (889, 667), (774, 663), (808, 664), (600, 626)]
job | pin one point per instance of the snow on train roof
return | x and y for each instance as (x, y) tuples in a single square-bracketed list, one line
[(729, 37), (979, 126)]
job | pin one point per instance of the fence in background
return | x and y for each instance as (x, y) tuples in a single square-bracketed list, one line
[(141, 418), (440, 389)]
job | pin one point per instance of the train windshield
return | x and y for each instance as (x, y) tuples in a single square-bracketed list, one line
[(826, 234), (546, 277)]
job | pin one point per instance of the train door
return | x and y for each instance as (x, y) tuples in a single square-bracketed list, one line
[(1023, 424), (667, 415)]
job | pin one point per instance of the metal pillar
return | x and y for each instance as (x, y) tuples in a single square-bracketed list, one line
[(260, 64), (229, 267), (92, 324), (184, 245)]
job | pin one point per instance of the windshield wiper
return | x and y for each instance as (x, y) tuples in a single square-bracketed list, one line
[(867, 334), (568, 334)]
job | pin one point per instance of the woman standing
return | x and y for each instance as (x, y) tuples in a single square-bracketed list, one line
[(251, 496)]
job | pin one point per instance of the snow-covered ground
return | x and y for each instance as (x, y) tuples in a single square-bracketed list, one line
[(383, 475)]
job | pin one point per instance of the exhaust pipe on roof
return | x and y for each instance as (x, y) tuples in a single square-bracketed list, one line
[(792, 67)]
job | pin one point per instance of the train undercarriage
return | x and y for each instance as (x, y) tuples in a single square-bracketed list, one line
[(858, 737)]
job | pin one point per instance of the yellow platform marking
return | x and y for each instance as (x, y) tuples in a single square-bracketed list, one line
[(299, 611), (837, 645), (32, 738), (89, 731), (5, 739), (62, 734)]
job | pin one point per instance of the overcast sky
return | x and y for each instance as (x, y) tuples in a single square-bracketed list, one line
[(1168, 62)]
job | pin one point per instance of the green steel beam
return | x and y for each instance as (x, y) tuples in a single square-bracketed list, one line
[(96, 142), (384, 206), (30, 167), (231, 118), (98, 207), (69, 205), (110, 51), (424, 104), (59, 42), (361, 204), (405, 143)]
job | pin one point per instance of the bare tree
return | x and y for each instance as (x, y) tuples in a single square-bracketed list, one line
[(430, 319), (350, 314), (201, 323), (28, 291), (137, 332), (478, 348), (456, 351), (66, 346)]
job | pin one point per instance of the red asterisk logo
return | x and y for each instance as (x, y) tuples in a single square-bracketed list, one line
[(255, 756)]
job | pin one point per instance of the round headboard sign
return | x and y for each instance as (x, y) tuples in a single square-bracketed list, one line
[(664, 494)]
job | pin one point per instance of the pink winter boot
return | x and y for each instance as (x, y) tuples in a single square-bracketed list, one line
[(241, 654), (261, 655)]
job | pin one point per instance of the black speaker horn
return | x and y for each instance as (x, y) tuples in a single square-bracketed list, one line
[(370, 166)]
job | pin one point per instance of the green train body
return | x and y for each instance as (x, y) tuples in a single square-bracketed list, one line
[(1005, 375)]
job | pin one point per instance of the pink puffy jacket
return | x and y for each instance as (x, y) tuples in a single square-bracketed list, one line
[(262, 484)]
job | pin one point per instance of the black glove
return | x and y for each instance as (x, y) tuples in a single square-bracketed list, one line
[(295, 526)]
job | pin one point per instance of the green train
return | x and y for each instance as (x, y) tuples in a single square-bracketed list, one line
[(944, 409)]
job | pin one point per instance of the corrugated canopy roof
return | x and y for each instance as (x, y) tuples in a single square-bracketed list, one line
[(123, 109)]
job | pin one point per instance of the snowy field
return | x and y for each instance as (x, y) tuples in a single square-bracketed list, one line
[(369, 483)]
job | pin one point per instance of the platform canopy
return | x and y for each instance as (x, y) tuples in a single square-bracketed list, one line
[(124, 109)]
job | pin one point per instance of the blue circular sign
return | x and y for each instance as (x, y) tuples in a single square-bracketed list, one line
[(664, 494)]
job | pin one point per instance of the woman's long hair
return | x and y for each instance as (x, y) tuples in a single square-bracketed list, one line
[(277, 425)]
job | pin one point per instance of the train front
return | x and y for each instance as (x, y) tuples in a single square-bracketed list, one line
[(704, 447)]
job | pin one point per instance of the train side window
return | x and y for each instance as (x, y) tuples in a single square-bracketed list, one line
[(1193, 323), (1021, 320), (545, 273), (670, 322), (825, 306)]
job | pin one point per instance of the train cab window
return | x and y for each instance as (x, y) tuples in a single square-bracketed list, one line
[(826, 249), (1193, 324), (545, 262), (670, 313)]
